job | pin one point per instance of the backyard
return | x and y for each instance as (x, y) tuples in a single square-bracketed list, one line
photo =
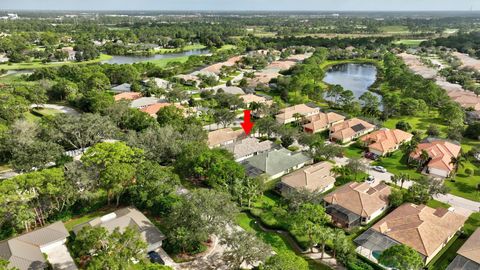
[(279, 243)]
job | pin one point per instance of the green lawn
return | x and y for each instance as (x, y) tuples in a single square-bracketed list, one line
[(227, 47), (395, 29), (436, 204), (409, 42), (419, 122), (396, 164), (352, 151), (464, 185), (38, 64), (84, 218), (46, 111), (277, 242), (165, 61), (472, 223), (32, 117), (186, 48)]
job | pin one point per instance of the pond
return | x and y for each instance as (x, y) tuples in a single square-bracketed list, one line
[(135, 59), (355, 77)]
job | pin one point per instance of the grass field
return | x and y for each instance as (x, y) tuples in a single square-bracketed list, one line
[(419, 122), (38, 64), (164, 62), (409, 42), (186, 48), (227, 47), (395, 29)]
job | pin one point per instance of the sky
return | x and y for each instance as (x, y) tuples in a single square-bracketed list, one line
[(269, 5)]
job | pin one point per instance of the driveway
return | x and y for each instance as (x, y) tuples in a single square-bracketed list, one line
[(60, 258), (460, 205)]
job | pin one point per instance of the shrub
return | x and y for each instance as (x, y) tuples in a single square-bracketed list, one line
[(402, 125), (468, 172)]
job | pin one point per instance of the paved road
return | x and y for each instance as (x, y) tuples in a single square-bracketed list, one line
[(461, 205), (63, 109)]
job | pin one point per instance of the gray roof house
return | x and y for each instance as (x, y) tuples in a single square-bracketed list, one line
[(128, 217), (275, 163), (468, 256), (144, 102), (248, 147), (124, 87), (26, 252), (234, 90)]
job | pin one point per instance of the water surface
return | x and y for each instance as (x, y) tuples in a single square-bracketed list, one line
[(355, 77)]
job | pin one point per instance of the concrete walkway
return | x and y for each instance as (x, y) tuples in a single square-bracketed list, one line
[(461, 205)]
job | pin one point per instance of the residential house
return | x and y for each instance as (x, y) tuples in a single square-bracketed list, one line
[(124, 87), (216, 68), (205, 73), (288, 115), (234, 90), (322, 121), (144, 102), (225, 136), (355, 204), (468, 256), (127, 96), (350, 130), (161, 83), (71, 53), (26, 252), (384, 141), (154, 108), (275, 163), (440, 154), (314, 178), (124, 218), (425, 229), (188, 79), (251, 98), (248, 147)]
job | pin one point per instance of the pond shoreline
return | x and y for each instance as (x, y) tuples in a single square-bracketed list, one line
[(344, 78)]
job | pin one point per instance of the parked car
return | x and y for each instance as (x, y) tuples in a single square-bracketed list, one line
[(371, 156), (379, 169), (155, 257), (370, 179)]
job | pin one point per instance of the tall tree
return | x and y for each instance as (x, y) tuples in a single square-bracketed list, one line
[(243, 247), (401, 257), (309, 220)]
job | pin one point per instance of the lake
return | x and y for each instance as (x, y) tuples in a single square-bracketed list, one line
[(355, 77), (118, 59)]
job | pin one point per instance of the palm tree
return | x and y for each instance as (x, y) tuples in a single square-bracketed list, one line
[(457, 162), (325, 234), (424, 156), (403, 177), (395, 179)]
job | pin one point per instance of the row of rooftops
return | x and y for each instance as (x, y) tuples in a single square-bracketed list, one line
[(26, 251)]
